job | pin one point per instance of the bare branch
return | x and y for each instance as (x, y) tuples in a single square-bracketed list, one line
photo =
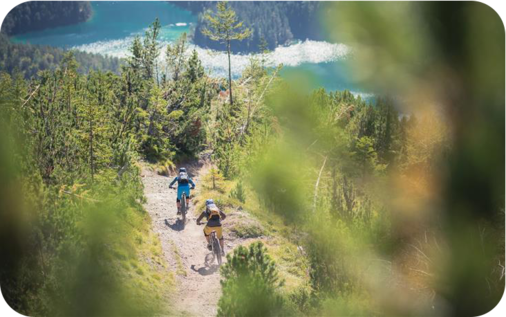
[(421, 252), (420, 271), (30, 97), (502, 270)]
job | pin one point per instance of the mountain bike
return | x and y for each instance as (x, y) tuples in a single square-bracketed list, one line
[(183, 207), (215, 250)]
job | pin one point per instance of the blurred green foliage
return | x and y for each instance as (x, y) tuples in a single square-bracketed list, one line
[(399, 203)]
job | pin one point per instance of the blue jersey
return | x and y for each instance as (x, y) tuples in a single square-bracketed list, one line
[(182, 187), (176, 179)]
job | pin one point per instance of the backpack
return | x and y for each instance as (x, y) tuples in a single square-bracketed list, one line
[(213, 210), (183, 178)]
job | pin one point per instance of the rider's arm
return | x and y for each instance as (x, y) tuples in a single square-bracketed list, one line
[(200, 217), (222, 215), (173, 181), (191, 182)]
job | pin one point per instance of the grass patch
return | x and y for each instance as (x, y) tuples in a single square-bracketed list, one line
[(247, 229), (139, 261), (179, 262)]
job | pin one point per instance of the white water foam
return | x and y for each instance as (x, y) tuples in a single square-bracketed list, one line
[(363, 95), (216, 62)]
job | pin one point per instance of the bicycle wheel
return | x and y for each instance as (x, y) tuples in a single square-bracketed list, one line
[(183, 207), (209, 259), (217, 250)]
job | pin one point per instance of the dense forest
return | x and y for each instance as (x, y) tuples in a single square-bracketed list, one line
[(38, 15), (28, 59), (276, 22)]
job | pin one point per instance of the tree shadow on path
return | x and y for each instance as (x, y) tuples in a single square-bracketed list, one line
[(176, 226)]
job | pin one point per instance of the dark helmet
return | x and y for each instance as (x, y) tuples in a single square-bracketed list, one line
[(182, 170)]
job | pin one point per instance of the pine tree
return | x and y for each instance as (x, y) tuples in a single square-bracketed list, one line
[(238, 192), (225, 28), (151, 49), (195, 70), (175, 56), (250, 282)]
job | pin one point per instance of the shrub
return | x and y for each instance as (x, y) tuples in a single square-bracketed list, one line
[(239, 193), (250, 284)]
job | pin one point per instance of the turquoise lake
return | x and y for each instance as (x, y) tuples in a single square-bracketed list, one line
[(115, 21), (114, 24)]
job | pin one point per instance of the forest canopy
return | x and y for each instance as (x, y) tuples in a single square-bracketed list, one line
[(29, 59), (38, 15)]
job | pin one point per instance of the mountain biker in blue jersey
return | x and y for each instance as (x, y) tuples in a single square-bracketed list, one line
[(214, 216), (183, 186)]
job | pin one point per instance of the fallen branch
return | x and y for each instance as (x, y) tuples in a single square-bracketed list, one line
[(317, 183), (269, 83), (245, 82), (421, 252), (254, 106), (420, 271), (502, 270), (311, 144), (31, 95)]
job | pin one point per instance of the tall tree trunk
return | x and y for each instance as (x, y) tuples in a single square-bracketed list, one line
[(229, 73)]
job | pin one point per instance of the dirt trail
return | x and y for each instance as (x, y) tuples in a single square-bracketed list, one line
[(198, 286)]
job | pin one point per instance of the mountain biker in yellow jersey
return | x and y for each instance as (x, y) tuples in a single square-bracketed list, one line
[(183, 186), (214, 216)]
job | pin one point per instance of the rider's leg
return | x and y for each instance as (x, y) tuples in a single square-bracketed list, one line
[(206, 234), (188, 200), (208, 243), (178, 204), (219, 233), (222, 244)]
